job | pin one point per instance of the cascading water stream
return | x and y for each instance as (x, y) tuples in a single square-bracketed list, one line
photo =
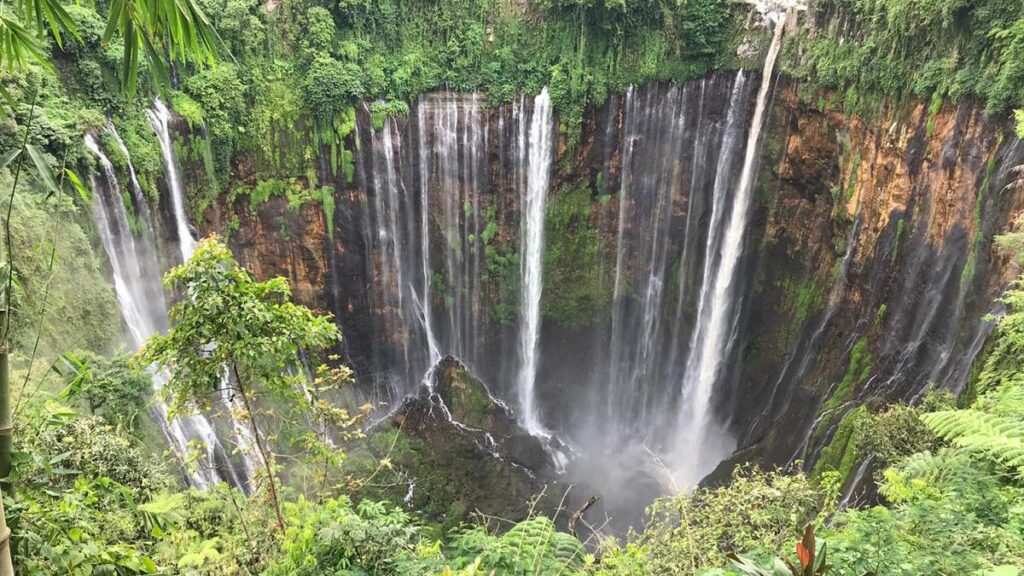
[(655, 125), (426, 235), (424, 299), (534, 194), (140, 298), (137, 195), (702, 442), (159, 117)]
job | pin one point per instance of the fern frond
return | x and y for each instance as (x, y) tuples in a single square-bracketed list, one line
[(996, 437), (536, 543), (937, 468), (1006, 399)]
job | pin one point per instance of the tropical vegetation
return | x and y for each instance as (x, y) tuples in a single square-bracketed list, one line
[(268, 93)]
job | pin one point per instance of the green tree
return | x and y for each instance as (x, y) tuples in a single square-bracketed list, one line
[(112, 389), (230, 321), (330, 86)]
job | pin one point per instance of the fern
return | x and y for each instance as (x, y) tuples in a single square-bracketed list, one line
[(933, 467), (996, 437), (1002, 367), (532, 547), (1007, 399)]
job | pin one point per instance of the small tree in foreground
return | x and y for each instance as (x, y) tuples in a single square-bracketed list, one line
[(228, 320)]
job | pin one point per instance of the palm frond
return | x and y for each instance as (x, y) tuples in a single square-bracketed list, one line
[(18, 46), (178, 28), (47, 14)]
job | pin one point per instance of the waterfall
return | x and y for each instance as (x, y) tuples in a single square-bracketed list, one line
[(140, 297), (390, 237), (425, 175), (430, 197), (435, 181), (159, 117), (678, 146), (703, 442), (654, 128), (460, 135), (534, 193), (141, 205), (424, 298)]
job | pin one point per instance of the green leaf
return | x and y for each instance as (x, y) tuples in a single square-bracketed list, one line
[(9, 157), (6, 96), (84, 193), (48, 13), (42, 170), (18, 45), (175, 28)]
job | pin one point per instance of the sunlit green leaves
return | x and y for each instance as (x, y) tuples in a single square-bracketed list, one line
[(83, 192), (18, 46), (42, 171), (178, 28), (149, 28), (47, 13), (230, 320)]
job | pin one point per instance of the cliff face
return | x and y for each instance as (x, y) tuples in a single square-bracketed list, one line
[(886, 226), (867, 269)]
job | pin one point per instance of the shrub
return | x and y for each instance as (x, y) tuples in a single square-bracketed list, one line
[(755, 513), (331, 86), (320, 29)]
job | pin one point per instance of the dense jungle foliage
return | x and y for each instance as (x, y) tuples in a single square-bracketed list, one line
[(93, 494), (94, 488), (293, 73)]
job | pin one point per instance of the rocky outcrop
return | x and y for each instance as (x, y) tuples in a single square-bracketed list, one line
[(469, 454)]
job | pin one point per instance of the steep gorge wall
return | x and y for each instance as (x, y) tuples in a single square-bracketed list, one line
[(868, 267), (878, 240)]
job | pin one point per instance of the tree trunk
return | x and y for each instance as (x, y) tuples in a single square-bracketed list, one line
[(264, 455), (5, 419), (6, 567)]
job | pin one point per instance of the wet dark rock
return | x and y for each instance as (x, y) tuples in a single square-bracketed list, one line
[(468, 454), (526, 451)]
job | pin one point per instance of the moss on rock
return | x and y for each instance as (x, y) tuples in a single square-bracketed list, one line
[(575, 289)]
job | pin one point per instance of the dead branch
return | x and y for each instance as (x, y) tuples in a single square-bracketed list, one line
[(579, 514)]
